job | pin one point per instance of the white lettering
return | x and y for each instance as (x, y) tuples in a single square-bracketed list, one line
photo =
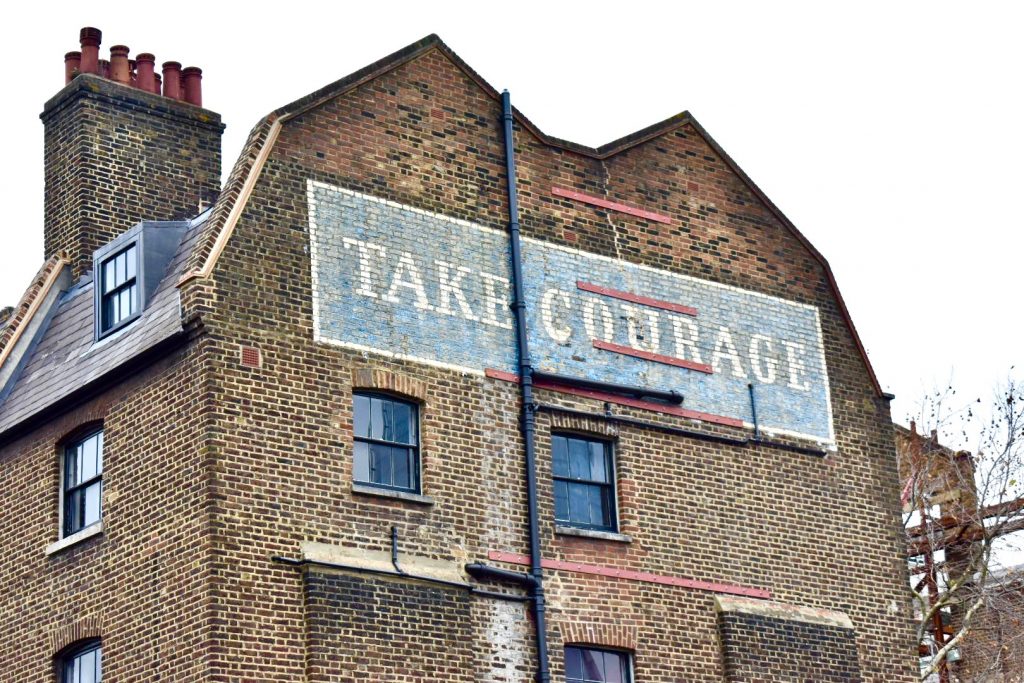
[(726, 349), (767, 375), (495, 303), (365, 264), (636, 332), (590, 321), (794, 357), (559, 334), (452, 287), (407, 269), (686, 339)]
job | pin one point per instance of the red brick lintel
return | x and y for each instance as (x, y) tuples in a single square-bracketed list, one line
[(654, 357), (636, 298), (613, 206), (619, 400), (631, 575)]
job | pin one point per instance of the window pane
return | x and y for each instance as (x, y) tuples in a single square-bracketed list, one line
[(579, 503), (561, 501), (99, 452), (376, 418), (387, 410), (130, 255), (121, 263), (573, 664), (109, 281), (71, 468), (127, 296), (87, 667), (615, 667), (380, 464), (400, 467), (361, 416), (99, 665), (593, 665), (598, 511), (403, 417), (361, 462), (92, 504), (88, 461), (598, 461), (559, 456), (579, 459), (73, 511)]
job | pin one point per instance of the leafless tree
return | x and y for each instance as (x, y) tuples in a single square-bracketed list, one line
[(960, 513)]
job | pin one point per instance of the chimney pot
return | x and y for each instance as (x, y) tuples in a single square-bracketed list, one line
[(90, 39), (104, 68), (193, 85), (145, 77), (172, 80), (72, 66), (119, 69)]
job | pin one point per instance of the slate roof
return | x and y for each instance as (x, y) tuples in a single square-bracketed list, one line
[(65, 357)]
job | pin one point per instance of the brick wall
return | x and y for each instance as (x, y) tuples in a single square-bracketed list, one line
[(114, 155), (142, 585), (812, 531)]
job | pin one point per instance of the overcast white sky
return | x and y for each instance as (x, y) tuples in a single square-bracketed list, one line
[(890, 133)]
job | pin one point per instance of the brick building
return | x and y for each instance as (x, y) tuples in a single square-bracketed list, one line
[(284, 437)]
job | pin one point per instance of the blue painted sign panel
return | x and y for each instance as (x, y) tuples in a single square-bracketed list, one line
[(396, 280)]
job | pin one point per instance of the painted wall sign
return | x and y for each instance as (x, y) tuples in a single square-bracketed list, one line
[(403, 282)]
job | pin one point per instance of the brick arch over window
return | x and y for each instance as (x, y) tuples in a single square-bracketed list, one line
[(65, 635), (392, 382), (616, 636), (586, 425)]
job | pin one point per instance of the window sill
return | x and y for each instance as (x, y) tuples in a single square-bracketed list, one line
[(75, 538), (367, 490), (593, 533)]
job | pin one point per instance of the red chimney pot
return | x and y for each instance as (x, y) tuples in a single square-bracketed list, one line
[(72, 66), (90, 39), (119, 69), (172, 80), (193, 85), (145, 77), (104, 68)]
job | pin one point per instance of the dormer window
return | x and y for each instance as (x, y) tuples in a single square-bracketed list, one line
[(119, 297), (128, 270)]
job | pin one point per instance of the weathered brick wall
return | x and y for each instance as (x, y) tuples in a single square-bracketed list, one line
[(428, 631), (813, 531), (142, 586), (114, 155), (760, 649)]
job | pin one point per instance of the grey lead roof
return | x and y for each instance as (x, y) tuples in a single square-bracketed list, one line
[(65, 356)]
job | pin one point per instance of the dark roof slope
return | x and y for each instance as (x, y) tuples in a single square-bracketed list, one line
[(66, 359)]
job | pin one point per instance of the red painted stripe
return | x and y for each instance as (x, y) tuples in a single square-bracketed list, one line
[(636, 298), (614, 206), (631, 575), (620, 400), (655, 357)]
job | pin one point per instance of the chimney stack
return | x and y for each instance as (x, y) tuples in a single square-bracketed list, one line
[(154, 156)]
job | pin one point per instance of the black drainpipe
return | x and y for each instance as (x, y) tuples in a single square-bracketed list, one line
[(526, 388)]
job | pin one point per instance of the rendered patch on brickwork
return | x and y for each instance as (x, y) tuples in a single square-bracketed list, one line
[(407, 283)]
